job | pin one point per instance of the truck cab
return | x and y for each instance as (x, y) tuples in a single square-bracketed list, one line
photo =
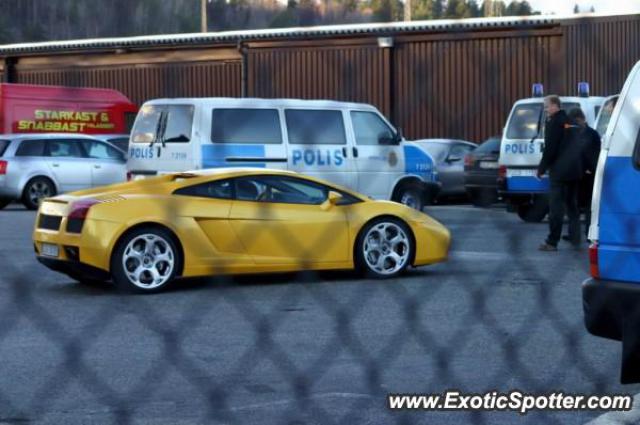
[(522, 146)]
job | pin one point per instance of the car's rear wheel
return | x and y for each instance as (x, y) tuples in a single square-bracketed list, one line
[(384, 248), (4, 202), (37, 189), (145, 260)]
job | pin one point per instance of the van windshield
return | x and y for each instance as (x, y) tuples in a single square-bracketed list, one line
[(145, 128), (605, 116), (525, 118)]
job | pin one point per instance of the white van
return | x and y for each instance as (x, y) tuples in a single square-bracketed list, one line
[(521, 151), (604, 116), (349, 144), (611, 298)]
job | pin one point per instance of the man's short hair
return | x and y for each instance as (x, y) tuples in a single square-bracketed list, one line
[(555, 99), (576, 113)]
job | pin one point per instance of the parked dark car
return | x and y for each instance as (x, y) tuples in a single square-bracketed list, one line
[(481, 173)]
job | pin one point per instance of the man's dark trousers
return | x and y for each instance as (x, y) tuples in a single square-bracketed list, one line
[(563, 196)]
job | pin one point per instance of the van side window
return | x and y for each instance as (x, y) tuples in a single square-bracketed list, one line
[(315, 127), (370, 129), (261, 126), (178, 123), (31, 148)]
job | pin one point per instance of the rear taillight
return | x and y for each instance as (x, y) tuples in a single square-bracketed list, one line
[(3, 167), (468, 161), (593, 261), (502, 172), (80, 209)]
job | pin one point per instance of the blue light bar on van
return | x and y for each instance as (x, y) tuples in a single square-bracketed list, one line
[(583, 89), (537, 90)]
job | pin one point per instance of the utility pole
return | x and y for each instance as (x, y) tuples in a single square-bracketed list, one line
[(203, 16), (407, 10)]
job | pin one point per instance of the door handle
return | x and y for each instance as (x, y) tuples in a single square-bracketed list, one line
[(97, 166), (55, 165), (344, 152), (355, 152)]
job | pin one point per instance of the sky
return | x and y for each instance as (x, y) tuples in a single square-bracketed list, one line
[(601, 6)]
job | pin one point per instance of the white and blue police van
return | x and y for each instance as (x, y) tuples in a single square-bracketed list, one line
[(611, 298), (350, 144), (522, 146), (604, 116)]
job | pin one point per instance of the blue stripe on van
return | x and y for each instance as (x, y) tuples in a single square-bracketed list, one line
[(214, 155), (619, 220), (527, 184), (418, 162)]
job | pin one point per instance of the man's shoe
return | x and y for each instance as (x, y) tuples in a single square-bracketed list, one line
[(547, 247)]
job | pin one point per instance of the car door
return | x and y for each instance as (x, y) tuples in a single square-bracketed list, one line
[(68, 164), (451, 170), (318, 145), (281, 222), (378, 157), (108, 164)]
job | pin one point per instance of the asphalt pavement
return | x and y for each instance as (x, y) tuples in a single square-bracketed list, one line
[(303, 348)]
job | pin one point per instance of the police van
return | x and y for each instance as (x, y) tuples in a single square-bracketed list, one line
[(604, 116), (522, 146), (349, 144), (611, 298)]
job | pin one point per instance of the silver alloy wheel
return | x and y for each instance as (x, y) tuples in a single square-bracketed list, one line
[(386, 248), (409, 199), (38, 190), (148, 261)]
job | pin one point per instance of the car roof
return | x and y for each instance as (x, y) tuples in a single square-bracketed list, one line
[(31, 136), (445, 141), (260, 103)]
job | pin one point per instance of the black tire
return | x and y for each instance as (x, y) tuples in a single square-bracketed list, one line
[(4, 203), (483, 198), (360, 248), (535, 211), (36, 190), (411, 195), (121, 278)]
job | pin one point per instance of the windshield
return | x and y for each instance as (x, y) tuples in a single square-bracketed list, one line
[(438, 151), (145, 127), (605, 115), (491, 145), (528, 118)]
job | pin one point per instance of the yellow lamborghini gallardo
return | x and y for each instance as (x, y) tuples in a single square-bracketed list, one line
[(144, 234)]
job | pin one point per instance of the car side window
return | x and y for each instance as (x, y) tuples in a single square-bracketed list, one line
[(99, 150), (31, 148), (370, 129), (459, 151), (279, 189), (65, 148), (219, 189)]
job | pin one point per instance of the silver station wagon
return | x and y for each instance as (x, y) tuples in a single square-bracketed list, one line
[(36, 166)]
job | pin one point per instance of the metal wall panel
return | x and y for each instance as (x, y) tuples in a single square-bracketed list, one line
[(349, 73), (465, 88), (601, 52), (142, 82)]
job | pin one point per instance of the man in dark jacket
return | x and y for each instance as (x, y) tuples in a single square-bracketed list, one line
[(562, 159), (590, 141)]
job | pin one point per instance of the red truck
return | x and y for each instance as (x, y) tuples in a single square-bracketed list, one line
[(26, 108)]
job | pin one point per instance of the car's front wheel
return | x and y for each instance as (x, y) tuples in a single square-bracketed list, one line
[(145, 260), (384, 248)]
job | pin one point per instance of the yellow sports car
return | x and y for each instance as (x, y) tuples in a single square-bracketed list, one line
[(143, 234)]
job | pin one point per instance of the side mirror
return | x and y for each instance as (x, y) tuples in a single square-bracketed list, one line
[(453, 158), (332, 199)]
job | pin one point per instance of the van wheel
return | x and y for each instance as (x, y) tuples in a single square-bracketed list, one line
[(37, 189), (384, 248), (411, 195), (535, 211), (4, 203), (145, 260)]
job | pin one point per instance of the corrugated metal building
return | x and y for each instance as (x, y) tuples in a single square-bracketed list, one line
[(454, 78)]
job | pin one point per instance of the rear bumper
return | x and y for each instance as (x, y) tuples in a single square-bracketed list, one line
[(608, 305), (74, 268)]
